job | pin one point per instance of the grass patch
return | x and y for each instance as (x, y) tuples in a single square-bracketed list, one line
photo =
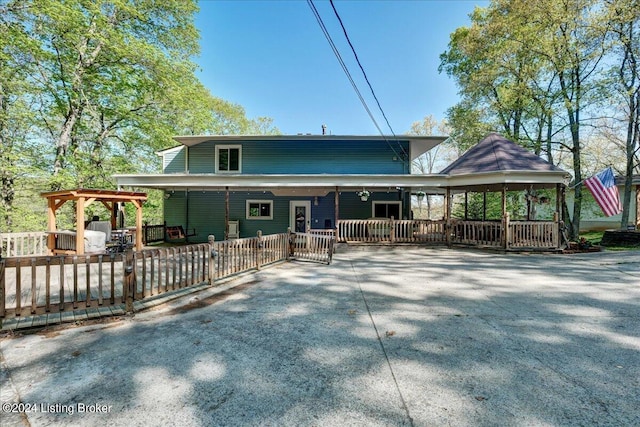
[(595, 237)]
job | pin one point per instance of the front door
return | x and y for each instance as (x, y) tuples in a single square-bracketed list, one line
[(300, 215)]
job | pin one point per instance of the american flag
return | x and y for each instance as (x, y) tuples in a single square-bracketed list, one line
[(603, 187)]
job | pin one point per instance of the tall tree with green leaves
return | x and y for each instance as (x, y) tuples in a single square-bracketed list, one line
[(91, 88), (105, 68), (625, 78), (534, 67)]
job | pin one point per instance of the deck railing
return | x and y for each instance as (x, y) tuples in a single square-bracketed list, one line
[(391, 231), (534, 234), (60, 284), (477, 233), (520, 234), (23, 244)]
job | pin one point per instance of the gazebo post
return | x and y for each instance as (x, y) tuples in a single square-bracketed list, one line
[(484, 205), (80, 226), (51, 224), (466, 205), (505, 218), (138, 206), (114, 215)]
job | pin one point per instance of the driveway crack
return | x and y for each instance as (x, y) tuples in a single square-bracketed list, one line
[(380, 341)]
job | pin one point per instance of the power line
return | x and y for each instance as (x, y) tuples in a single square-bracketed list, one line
[(344, 30), (348, 74)]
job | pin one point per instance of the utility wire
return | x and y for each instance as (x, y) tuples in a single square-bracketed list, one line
[(344, 30), (348, 74)]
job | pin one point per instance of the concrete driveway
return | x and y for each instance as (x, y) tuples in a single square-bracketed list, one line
[(395, 336)]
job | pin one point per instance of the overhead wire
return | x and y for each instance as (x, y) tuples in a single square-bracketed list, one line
[(344, 30), (345, 69)]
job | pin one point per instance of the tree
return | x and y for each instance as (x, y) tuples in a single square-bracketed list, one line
[(625, 18), (15, 120), (426, 163), (525, 63), (89, 89)]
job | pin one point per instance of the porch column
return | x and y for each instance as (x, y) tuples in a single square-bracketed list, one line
[(558, 199), (80, 226), (226, 214), (336, 206)]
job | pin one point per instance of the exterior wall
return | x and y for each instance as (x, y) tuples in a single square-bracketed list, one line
[(307, 157), (205, 211), (173, 161)]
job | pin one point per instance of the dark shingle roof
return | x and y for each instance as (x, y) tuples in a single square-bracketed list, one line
[(497, 153)]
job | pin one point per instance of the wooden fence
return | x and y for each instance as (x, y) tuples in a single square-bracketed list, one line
[(60, 284), (391, 231), (316, 247), (239, 255)]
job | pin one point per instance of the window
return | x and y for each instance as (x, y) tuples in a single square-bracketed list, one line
[(259, 209), (387, 210), (228, 158)]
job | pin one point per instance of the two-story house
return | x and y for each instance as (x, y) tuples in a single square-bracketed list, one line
[(270, 183), (233, 186)]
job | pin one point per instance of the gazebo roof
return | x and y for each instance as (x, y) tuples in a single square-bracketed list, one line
[(111, 195), (495, 153)]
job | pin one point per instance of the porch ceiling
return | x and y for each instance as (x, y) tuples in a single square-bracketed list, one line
[(314, 183)]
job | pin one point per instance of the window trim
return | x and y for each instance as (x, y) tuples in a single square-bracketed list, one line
[(385, 202), (226, 147), (259, 218)]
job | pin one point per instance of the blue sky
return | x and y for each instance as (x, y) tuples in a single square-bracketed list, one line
[(272, 58)]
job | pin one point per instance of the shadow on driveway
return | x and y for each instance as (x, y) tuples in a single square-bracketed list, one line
[(395, 337)]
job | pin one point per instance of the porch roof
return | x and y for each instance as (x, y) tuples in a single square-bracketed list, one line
[(431, 183)]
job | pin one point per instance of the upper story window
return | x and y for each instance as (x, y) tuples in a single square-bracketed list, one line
[(228, 158)]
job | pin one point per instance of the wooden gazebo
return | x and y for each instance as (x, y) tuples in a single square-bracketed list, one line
[(83, 198)]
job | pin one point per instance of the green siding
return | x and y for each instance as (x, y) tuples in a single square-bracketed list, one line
[(174, 161), (206, 211), (307, 157)]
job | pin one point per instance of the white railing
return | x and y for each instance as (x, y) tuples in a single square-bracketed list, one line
[(23, 244)]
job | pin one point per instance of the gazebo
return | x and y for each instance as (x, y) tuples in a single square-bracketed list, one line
[(497, 164), (83, 198)]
